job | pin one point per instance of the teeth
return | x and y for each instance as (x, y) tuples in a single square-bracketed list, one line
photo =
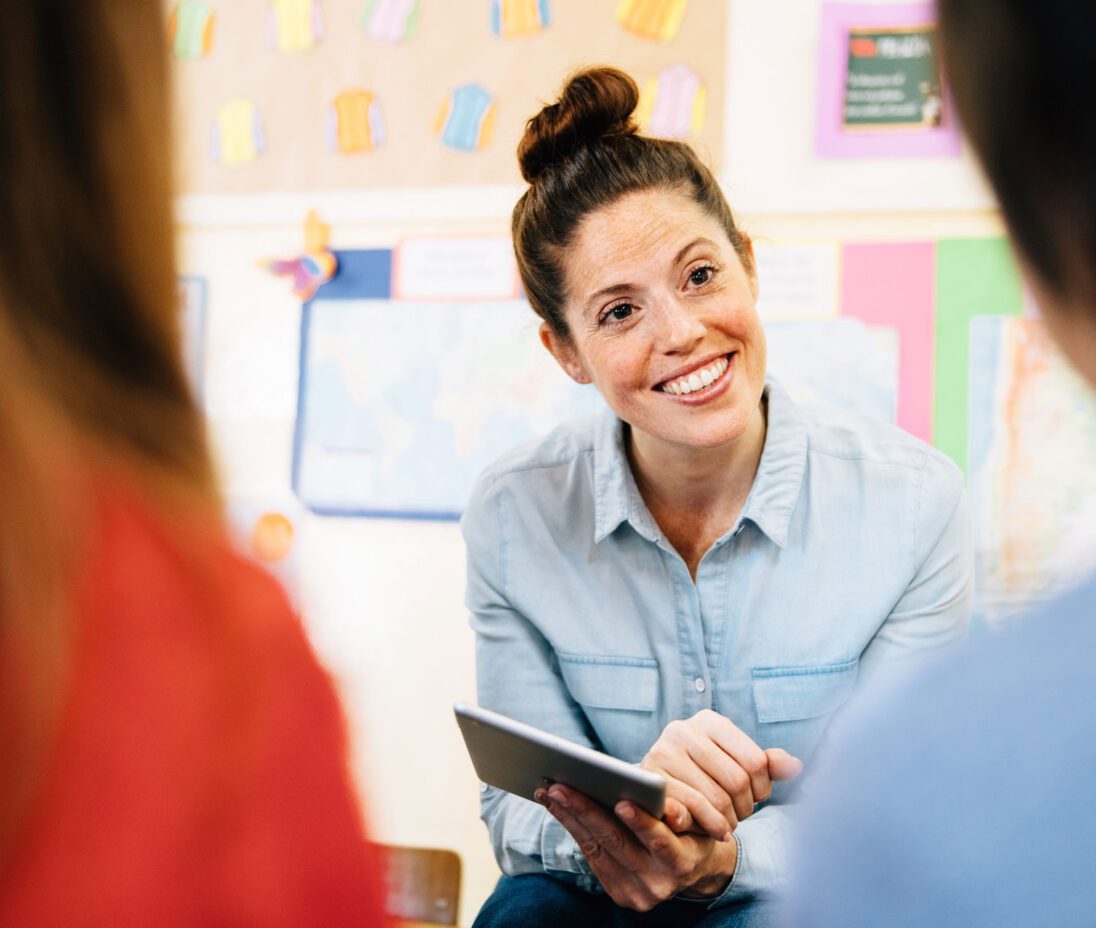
[(697, 380)]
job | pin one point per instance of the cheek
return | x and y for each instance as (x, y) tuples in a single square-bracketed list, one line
[(617, 371)]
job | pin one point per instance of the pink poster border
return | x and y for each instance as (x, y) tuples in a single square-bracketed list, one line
[(830, 140)]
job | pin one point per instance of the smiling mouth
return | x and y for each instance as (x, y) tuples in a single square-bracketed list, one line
[(697, 380)]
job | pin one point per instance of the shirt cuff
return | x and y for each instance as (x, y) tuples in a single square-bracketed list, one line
[(736, 890), (560, 854)]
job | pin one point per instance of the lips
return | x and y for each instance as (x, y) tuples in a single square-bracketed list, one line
[(696, 378)]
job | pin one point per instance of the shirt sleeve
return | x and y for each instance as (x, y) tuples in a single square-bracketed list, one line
[(933, 611), (935, 608), (516, 676)]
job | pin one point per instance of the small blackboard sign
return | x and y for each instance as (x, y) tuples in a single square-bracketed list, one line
[(893, 79)]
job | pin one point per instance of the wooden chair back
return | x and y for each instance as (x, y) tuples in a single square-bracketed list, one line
[(423, 884)]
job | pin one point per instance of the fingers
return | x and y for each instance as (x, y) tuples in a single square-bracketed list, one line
[(661, 843), (742, 749), (703, 813), (722, 780), (782, 765), (710, 754), (677, 817), (603, 840)]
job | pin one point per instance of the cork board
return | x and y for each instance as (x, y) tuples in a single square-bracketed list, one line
[(256, 88)]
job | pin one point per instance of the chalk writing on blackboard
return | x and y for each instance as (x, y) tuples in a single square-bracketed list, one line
[(893, 79)]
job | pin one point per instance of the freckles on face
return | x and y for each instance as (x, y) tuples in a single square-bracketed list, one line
[(661, 313)]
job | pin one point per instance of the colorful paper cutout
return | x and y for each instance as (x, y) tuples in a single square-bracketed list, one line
[(651, 19), (974, 277), (466, 121), (673, 104), (314, 267), (355, 122), (296, 25), (390, 21), (190, 29), (893, 285), (519, 17), (238, 136)]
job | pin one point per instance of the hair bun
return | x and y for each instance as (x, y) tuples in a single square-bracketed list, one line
[(595, 103)]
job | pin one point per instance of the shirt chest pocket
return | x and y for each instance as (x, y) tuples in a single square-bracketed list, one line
[(794, 704), (619, 696)]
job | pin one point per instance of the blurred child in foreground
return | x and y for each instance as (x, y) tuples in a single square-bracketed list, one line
[(172, 753)]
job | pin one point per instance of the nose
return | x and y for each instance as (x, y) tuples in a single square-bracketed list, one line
[(682, 328)]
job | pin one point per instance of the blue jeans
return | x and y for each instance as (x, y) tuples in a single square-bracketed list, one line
[(540, 901)]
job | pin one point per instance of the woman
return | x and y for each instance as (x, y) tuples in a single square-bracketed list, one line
[(172, 752), (696, 581)]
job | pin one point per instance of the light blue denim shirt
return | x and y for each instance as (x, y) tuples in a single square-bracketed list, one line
[(852, 547)]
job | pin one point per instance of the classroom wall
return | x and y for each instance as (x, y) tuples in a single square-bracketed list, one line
[(383, 599)]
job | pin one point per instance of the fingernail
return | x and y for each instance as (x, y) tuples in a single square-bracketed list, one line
[(559, 796), (541, 796), (627, 813)]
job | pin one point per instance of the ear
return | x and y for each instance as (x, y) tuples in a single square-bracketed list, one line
[(564, 352), (751, 268)]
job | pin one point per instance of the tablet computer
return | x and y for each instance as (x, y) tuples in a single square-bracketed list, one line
[(521, 759)]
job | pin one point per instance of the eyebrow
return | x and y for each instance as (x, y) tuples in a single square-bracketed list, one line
[(615, 289)]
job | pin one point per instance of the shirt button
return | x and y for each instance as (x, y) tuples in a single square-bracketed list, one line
[(700, 684)]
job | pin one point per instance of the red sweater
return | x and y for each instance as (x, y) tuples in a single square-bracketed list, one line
[(199, 775)]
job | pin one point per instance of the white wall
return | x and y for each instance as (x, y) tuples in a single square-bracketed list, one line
[(384, 599)]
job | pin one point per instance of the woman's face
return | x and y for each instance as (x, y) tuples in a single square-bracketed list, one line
[(662, 320)]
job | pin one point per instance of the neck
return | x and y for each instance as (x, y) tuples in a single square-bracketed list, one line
[(688, 479)]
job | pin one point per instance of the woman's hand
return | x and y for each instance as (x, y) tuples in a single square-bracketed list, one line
[(637, 859), (716, 772)]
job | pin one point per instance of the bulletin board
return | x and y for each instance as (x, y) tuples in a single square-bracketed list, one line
[(242, 55)]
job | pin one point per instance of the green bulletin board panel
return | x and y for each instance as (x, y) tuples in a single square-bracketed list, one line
[(974, 277), (893, 78)]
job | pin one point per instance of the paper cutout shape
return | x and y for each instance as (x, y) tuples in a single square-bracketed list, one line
[(674, 104), (467, 120), (296, 25), (892, 284), (190, 29), (651, 19), (314, 267), (390, 21), (238, 136), (519, 17), (355, 123)]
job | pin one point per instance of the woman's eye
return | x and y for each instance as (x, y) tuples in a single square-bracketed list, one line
[(701, 275), (618, 313)]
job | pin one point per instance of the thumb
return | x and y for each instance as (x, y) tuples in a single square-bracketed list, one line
[(782, 766)]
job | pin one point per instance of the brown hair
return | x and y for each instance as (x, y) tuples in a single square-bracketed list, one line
[(584, 153), (91, 379), (1021, 74)]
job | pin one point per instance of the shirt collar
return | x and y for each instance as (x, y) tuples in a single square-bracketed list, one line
[(772, 498), (779, 479)]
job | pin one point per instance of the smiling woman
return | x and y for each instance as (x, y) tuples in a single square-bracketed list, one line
[(696, 581)]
